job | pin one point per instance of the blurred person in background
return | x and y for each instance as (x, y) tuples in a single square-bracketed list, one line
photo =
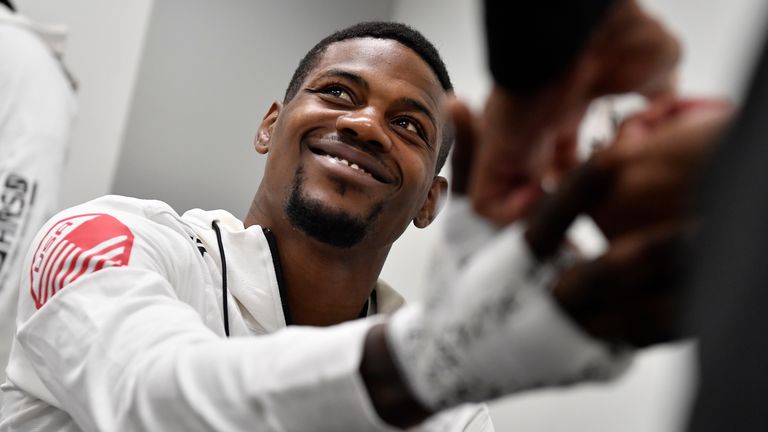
[(37, 107), (670, 179)]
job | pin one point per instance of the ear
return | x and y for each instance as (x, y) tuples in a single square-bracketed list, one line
[(264, 134), (433, 203)]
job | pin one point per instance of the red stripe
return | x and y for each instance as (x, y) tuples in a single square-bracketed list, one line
[(61, 246), (52, 280), (62, 277), (87, 261), (35, 297), (45, 271)]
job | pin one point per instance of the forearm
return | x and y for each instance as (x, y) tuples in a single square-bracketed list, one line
[(136, 359), (495, 330)]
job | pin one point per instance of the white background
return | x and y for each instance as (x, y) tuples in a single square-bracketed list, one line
[(172, 91)]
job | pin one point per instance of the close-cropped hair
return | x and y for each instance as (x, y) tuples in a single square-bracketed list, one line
[(381, 30)]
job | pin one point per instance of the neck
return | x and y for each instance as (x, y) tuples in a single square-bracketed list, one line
[(325, 285)]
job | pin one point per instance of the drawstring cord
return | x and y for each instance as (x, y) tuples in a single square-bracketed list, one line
[(215, 226), (278, 271)]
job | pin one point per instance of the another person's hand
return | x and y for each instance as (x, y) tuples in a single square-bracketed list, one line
[(644, 178), (638, 191), (525, 138)]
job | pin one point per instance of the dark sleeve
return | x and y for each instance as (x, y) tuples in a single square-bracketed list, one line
[(728, 293), (531, 42)]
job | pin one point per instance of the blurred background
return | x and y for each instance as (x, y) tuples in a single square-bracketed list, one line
[(172, 91)]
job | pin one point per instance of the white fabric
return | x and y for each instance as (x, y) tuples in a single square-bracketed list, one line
[(492, 328), (37, 106), (141, 346)]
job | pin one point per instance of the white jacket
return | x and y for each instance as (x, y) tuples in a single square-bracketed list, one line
[(37, 106), (121, 328)]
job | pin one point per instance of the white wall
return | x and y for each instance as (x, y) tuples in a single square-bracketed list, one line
[(210, 71), (103, 52), (719, 37)]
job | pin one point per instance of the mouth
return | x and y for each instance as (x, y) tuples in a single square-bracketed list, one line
[(346, 155)]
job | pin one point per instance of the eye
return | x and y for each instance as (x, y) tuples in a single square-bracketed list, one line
[(410, 125), (337, 91)]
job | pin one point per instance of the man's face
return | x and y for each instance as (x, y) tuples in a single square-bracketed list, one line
[(358, 144)]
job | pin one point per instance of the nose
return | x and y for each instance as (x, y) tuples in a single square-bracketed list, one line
[(363, 125)]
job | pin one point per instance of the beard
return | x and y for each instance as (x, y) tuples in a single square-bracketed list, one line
[(327, 225)]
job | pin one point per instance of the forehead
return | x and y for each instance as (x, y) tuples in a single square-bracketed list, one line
[(385, 61)]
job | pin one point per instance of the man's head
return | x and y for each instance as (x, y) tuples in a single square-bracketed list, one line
[(354, 149), (380, 30)]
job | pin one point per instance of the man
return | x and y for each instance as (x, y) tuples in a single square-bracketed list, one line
[(654, 169), (37, 106), (126, 307)]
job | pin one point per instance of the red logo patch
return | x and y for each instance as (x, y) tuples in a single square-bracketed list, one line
[(74, 247)]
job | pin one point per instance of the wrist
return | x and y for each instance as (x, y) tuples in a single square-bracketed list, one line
[(389, 393)]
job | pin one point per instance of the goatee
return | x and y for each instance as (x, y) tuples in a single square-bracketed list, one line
[(325, 224)]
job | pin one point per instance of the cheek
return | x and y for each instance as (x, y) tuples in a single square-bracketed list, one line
[(306, 115), (420, 166), (420, 173)]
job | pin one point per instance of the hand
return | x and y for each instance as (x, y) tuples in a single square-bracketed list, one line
[(651, 168), (644, 178), (522, 138), (637, 190)]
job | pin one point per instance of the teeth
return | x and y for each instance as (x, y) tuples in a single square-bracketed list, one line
[(351, 165)]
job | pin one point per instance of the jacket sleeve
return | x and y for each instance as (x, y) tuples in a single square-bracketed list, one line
[(119, 351), (530, 43)]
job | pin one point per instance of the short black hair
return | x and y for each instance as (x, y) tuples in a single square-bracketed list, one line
[(381, 30)]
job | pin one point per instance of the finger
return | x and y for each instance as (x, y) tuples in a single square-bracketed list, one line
[(564, 157), (463, 155), (503, 202), (582, 190), (579, 192)]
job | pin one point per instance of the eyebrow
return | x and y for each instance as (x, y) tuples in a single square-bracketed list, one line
[(417, 106), (357, 79), (410, 103)]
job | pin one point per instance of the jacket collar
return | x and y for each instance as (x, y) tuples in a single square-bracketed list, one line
[(251, 275)]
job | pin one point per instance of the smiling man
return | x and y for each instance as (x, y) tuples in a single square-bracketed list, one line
[(126, 306), (132, 317), (352, 157)]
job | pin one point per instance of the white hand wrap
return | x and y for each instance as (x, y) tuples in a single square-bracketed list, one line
[(494, 329)]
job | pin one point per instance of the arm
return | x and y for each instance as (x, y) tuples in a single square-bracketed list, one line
[(118, 350), (491, 327)]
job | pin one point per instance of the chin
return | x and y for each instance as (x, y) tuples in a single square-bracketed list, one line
[(325, 220)]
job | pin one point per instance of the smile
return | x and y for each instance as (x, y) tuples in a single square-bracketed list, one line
[(350, 157), (354, 166)]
